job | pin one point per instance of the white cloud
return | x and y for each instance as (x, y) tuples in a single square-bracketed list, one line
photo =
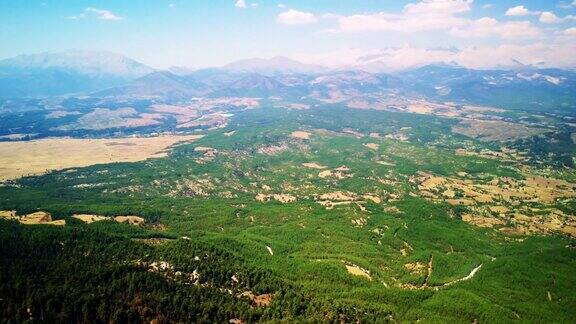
[(295, 17), (438, 6), (421, 16), (570, 31), (487, 6), (518, 11), (335, 59), (171, 5), (405, 57), (557, 54), (487, 27), (240, 4), (103, 14), (281, 6), (97, 13), (548, 17)]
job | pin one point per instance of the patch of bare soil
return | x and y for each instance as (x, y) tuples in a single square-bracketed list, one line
[(283, 198), (341, 172), (340, 198), (39, 218), (89, 219), (374, 199), (372, 146), (482, 221), (360, 222), (132, 220), (406, 249), (416, 268), (357, 271), (301, 135), (8, 214), (257, 300)]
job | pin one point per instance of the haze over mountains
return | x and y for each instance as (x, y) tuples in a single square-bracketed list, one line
[(278, 64), (67, 72), (105, 74)]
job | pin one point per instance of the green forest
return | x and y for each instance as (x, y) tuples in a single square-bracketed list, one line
[(245, 234)]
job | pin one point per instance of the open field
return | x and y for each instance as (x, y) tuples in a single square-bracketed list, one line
[(19, 159)]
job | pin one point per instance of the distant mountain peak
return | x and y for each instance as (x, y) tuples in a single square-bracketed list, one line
[(80, 61)]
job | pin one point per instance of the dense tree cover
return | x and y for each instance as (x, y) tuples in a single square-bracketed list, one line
[(81, 275), (100, 272), (556, 149)]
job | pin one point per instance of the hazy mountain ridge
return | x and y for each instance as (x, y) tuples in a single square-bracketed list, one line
[(49, 74), (103, 74), (157, 84), (82, 62)]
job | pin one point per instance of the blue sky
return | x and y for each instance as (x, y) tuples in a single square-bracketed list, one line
[(200, 33)]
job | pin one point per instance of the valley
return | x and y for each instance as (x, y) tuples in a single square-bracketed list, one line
[(303, 195), (310, 206), (244, 161)]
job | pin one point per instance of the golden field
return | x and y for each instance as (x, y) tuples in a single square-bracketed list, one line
[(19, 159)]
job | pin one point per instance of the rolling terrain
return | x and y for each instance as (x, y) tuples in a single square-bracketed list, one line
[(288, 207), (306, 194)]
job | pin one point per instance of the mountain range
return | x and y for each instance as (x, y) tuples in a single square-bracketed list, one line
[(104, 74), (68, 72)]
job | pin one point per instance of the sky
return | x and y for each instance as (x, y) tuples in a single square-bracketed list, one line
[(393, 34)]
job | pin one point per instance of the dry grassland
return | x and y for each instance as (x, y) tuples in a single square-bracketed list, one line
[(300, 135), (357, 271), (37, 218), (19, 159), (489, 200)]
